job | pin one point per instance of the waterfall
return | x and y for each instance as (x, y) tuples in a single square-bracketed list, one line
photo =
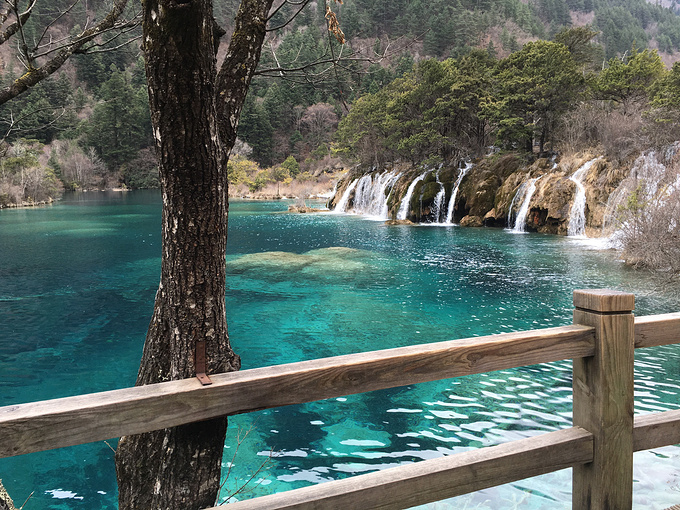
[(646, 172), (342, 204), (371, 194), (521, 219), (454, 193), (389, 182), (363, 194), (403, 208), (437, 206), (577, 215), (518, 193)]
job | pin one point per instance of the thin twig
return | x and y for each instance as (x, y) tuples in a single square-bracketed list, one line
[(51, 23), (29, 497), (290, 20), (239, 440), (244, 485)]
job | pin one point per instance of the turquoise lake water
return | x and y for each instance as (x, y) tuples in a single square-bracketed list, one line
[(77, 282)]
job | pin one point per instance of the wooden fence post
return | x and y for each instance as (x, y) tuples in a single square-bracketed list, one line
[(603, 401)]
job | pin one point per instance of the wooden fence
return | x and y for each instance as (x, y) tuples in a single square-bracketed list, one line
[(599, 445)]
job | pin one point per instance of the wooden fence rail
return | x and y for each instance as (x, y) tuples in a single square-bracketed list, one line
[(602, 440)]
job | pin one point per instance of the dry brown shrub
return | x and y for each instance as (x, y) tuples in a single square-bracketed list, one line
[(623, 135), (579, 129), (649, 230), (618, 133)]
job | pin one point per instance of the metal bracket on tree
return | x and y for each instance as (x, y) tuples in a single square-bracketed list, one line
[(199, 363)]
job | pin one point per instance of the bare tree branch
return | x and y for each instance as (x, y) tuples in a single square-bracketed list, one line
[(302, 5), (23, 46), (119, 30), (239, 66), (271, 46), (36, 74), (104, 48), (285, 2), (51, 23), (12, 122), (327, 59), (14, 27), (309, 72)]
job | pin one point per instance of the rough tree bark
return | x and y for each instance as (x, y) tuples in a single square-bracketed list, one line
[(5, 501), (194, 111)]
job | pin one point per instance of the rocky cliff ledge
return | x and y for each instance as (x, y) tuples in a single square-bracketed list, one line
[(562, 195)]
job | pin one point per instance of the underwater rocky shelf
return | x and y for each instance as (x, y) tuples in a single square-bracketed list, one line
[(577, 195)]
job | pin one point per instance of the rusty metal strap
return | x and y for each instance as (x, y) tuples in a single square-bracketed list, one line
[(199, 363)]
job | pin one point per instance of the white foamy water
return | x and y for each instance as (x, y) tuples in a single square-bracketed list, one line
[(342, 204), (454, 193), (403, 208), (577, 215), (521, 220), (372, 193)]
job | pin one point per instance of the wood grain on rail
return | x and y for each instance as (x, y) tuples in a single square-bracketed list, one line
[(656, 430), (654, 330), (38, 426), (436, 479)]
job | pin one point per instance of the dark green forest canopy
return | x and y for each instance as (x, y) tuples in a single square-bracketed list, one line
[(529, 101), (437, 29), (98, 100)]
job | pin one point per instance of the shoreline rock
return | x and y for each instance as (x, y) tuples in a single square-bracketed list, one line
[(24, 205), (399, 222), (302, 209)]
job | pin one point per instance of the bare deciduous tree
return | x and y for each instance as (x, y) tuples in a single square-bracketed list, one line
[(318, 121), (80, 169)]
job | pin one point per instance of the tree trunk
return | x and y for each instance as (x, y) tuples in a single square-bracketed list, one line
[(5, 501), (179, 468)]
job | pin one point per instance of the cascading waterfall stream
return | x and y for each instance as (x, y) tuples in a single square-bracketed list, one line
[(342, 204), (370, 194), (378, 195), (454, 193), (391, 180), (647, 172), (403, 207), (332, 193), (364, 195), (518, 194), (521, 219), (438, 205), (577, 215)]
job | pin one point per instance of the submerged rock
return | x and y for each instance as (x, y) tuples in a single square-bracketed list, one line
[(399, 222), (322, 264), (301, 209)]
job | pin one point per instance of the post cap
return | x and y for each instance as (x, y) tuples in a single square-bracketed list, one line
[(604, 300)]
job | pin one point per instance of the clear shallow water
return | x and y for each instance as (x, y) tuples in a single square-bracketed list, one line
[(77, 282)]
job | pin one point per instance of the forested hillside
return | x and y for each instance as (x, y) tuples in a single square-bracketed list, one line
[(88, 126), (538, 99)]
